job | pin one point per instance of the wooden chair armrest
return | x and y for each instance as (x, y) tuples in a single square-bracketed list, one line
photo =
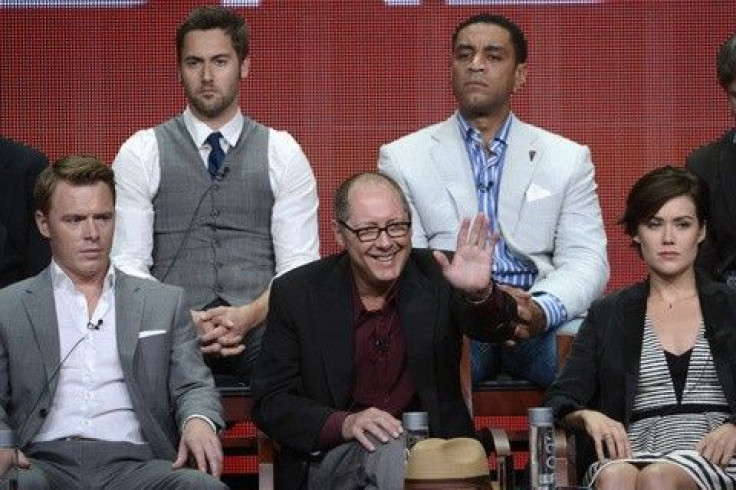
[(497, 441), (565, 468)]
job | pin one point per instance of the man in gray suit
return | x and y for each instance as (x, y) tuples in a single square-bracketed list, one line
[(100, 375), (538, 189)]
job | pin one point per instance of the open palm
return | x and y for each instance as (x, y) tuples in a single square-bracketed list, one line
[(470, 267)]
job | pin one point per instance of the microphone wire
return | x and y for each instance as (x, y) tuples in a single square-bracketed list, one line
[(187, 233)]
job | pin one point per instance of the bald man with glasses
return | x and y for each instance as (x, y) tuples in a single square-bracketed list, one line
[(358, 338)]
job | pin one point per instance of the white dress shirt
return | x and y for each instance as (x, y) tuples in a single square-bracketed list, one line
[(294, 225), (91, 398)]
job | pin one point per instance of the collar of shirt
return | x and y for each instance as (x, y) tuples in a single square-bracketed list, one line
[(61, 281), (470, 133), (200, 131), (359, 310)]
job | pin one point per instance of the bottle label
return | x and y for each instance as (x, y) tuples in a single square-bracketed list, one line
[(414, 436), (545, 456)]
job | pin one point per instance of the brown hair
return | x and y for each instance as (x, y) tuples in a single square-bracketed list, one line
[(77, 170), (216, 17), (654, 189)]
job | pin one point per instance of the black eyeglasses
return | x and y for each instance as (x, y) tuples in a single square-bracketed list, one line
[(371, 233)]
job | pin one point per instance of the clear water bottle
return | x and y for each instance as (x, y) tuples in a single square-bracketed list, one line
[(416, 427), (542, 448)]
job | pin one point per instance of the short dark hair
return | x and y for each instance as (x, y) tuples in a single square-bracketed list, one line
[(78, 170), (726, 63), (653, 190), (517, 35), (341, 203), (216, 17)]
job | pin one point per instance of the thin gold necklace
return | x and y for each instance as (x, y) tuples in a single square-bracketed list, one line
[(670, 304)]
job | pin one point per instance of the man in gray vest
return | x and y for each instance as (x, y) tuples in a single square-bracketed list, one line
[(213, 201)]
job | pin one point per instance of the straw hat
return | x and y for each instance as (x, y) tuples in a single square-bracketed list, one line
[(446, 461)]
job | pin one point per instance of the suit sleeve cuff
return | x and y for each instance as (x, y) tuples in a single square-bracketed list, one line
[(331, 433), (554, 311), (195, 416)]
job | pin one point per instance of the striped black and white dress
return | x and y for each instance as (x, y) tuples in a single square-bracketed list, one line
[(672, 414)]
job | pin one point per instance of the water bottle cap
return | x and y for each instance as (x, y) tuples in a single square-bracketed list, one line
[(541, 416), (415, 420)]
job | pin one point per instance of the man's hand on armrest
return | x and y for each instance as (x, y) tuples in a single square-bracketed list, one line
[(200, 446), (10, 457)]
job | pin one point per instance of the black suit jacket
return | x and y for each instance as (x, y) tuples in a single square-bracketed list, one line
[(715, 163), (602, 371), (305, 370), (23, 251)]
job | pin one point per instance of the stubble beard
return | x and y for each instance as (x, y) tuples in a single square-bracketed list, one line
[(212, 108), (473, 109)]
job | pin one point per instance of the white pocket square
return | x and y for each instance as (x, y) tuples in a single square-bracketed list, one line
[(536, 192), (150, 333)]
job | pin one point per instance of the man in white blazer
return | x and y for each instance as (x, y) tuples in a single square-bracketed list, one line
[(100, 375), (537, 187)]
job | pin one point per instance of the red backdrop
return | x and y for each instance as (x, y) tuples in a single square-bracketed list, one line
[(633, 80)]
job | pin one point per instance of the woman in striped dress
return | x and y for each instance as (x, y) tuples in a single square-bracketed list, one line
[(650, 379)]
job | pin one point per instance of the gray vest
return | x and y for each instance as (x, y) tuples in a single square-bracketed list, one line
[(213, 237)]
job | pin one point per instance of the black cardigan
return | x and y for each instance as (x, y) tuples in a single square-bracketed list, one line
[(602, 370)]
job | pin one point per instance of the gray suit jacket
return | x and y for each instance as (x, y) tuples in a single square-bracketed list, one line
[(548, 208), (166, 378)]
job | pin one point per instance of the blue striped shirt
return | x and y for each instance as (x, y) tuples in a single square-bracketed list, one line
[(487, 166)]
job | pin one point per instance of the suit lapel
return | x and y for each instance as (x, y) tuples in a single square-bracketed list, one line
[(332, 317), (40, 305), (417, 301), (719, 334), (451, 162), (520, 163), (633, 311), (129, 304)]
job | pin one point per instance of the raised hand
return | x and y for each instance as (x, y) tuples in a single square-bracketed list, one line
[(470, 267)]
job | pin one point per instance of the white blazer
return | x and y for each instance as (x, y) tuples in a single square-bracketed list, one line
[(548, 209)]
